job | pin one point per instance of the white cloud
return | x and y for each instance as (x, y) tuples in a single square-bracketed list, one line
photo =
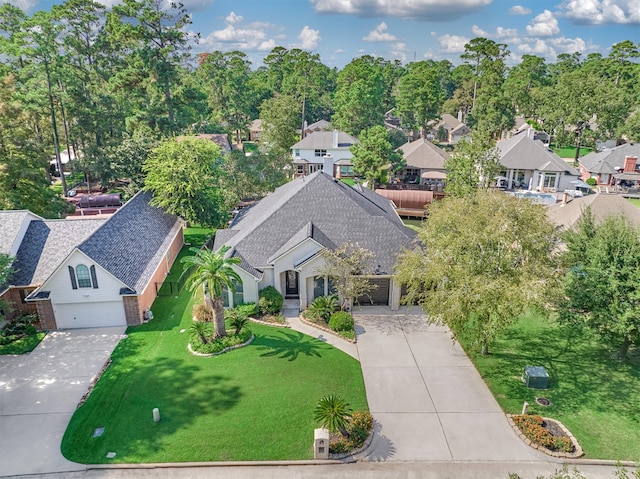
[(550, 48), (309, 38), (238, 36), (399, 50), (232, 18), (543, 25), (479, 32), (452, 43), (380, 34), (433, 10), (196, 5), (602, 11), (23, 5), (519, 10)]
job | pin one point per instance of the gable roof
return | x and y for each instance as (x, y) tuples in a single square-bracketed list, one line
[(321, 208), (318, 125), (602, 206), (11, 223), (449, 121), (607, 160), (323, 140), (132, 242), (521, 152), (45, 246), (423, 154)]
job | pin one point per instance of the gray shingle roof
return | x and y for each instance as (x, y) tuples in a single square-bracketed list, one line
[(335, 212), (46, 244), (323, 140), (602, 206), (10, 225), (132, 242), (423, 154), (606, 161), (521, 152)]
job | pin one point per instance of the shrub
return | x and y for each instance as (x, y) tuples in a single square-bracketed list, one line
[(237, 318), (249, 309), (203, 312), (322, 308), (532, 427), (358, 429), (341, 321), (217, 345), (333, 412), (274, 318), (591, 181), (270, 300)]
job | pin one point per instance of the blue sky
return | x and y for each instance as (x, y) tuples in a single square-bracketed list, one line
[(340, 30)]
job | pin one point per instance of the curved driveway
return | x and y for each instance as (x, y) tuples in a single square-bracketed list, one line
[(429, 402)]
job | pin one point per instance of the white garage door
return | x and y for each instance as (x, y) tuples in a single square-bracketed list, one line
[(89, 315)]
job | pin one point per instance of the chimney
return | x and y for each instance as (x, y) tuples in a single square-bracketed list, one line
[(531, 133), (460, 116), (630, 164), (335, 138), (327, 165)]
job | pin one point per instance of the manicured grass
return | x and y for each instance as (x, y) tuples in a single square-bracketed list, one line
[(593, 394), (24, 345), (413, 223), (254, 403), (569, 151), (634, 201), (348, 181)]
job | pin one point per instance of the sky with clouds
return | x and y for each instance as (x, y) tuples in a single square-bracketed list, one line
[(340, 30)]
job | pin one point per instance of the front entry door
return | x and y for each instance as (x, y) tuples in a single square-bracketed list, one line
[(292, 284)]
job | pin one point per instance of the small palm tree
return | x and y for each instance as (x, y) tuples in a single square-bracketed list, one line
[(200, 329), (237, 320), (333, 413), (323, 307), (213, 271)]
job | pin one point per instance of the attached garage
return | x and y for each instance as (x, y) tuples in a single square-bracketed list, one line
[(379, 295), (89, 315)]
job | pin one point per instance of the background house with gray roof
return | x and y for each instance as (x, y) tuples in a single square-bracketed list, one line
[(528, 163), (606, 164), (279, 239), (95, 272), (422, 158)]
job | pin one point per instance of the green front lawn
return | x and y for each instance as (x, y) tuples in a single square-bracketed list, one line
[(593, 394), (254, 403), (569, 152), (634, 201), (23, 345)]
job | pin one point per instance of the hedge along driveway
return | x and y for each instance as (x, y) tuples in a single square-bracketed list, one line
[(253, 403)]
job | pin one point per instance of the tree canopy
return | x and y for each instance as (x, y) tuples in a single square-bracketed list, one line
[(483, 260), (374, 156)]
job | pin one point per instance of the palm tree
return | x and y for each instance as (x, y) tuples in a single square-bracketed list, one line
[(333, 412), (200, 329), (213, 271)]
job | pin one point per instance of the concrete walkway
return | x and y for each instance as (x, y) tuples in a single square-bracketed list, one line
[(39, 393), (428, 400)]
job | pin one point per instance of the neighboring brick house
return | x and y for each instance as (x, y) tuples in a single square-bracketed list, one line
[(94, 272), (608, 164), (279, 240)]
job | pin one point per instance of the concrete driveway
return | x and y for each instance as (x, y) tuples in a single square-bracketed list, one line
[(429, 402), (39, 393)]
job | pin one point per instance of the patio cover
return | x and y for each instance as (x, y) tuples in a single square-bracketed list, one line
[(434, 175)]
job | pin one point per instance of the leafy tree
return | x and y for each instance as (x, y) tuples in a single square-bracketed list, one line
[(421, 94), (347, 267), (483, 260), (6, 270), (333, 412), (358, 99), (523, 80), (255, 174), (473, 165), (187, 179), (214, 271), (602, 287), (375, 155), (280, 122)]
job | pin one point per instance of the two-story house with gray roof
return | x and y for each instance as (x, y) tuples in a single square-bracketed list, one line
[(608, 164), (280, 239), (94, 272), (320, 148)]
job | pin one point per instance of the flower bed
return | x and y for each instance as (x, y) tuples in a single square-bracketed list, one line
[(547, 435), (359, 430)]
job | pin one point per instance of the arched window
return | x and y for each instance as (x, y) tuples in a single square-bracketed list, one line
[(84, 278)]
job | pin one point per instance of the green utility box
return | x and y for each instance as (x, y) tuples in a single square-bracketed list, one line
[(536, 377)]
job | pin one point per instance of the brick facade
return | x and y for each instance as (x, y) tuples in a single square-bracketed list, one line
[(45, 315), (14, 297), (135, 312)]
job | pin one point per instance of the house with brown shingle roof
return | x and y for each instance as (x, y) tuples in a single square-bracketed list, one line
[(424, 161)]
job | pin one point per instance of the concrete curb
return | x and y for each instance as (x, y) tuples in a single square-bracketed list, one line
[(169, 465), (230, 348)]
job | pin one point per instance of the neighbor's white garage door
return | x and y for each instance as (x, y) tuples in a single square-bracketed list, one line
[(89, 315)]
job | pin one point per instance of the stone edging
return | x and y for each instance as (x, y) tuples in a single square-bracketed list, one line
[(326, 330), (208, 355), (267, 323), (365, 445), (578, 452)]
